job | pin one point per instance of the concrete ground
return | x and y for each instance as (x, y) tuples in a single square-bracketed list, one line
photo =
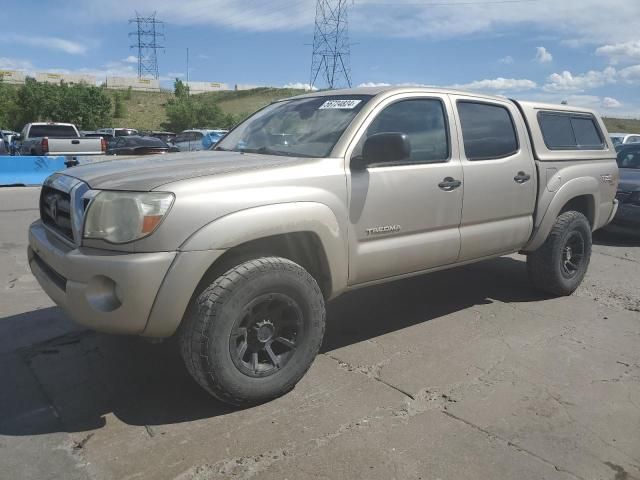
[(464, 374)]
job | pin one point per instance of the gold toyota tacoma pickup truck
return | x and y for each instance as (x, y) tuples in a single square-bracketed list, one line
[(236, 250)]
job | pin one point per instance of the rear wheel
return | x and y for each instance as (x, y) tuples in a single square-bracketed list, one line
[(560, 264), (254, 332)]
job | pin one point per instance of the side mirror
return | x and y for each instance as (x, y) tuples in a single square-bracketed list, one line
[(383, 148)]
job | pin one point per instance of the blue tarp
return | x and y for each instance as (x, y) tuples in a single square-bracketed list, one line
[(20, 170)]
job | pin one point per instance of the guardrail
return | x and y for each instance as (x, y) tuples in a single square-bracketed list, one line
[(31, 170)]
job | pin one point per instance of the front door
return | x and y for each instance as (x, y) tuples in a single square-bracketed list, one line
[(404, 216)]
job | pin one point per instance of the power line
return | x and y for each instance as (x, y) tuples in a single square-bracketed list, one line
[(147, 36), (331, 54)]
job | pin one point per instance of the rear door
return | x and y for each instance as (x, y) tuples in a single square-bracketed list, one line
[(404, 216), (500, 179)]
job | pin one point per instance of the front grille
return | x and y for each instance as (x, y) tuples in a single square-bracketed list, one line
[(55, 211)]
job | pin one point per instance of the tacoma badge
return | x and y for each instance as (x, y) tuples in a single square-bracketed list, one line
[(383, 229)]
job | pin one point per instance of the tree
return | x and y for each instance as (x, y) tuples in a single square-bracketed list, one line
[(184, 112), (87, 106), (180, 89), (8, 94)]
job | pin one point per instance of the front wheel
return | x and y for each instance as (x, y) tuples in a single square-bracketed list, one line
[(254, 332), (560, 264)]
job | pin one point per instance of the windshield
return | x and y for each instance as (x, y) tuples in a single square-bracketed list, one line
[(617, 140), (306, 127), (629, 158), (52, 131)]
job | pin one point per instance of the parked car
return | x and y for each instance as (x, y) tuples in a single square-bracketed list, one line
[(137, 145), (50, 138), (624, 138), (236, 250), (627, 218), (212, 138), (117, 132), (198, 139), (6, 141), (4, 147), (166, 137)]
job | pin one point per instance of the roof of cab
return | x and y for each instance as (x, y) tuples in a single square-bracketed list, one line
[(392, 90), (556, 107)]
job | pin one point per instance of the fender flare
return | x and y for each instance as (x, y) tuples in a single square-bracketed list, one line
[(576, 187), (259, 222)]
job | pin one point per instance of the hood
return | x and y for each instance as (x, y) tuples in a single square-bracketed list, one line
[(629, 180), (150, 172)]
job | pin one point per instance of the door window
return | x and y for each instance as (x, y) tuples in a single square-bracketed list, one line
[(487, 130), (423, 121)]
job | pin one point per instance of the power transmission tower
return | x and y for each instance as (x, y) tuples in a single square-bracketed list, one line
[(147, 33), (330, 59)]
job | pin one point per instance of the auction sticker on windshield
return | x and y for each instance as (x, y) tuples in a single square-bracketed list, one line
[(339, 104)]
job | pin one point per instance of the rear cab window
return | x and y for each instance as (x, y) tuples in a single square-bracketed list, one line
[(570, 131), (52, 131)]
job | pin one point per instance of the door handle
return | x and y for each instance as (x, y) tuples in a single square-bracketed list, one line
[(449, 183), (522, 177)]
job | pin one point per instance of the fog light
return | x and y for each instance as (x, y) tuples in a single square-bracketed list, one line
[(101, 294)]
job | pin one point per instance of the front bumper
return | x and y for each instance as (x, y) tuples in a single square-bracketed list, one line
[(103, 290)]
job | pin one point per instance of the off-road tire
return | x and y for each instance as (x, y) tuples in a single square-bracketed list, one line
[(204, 335), (545, 265)]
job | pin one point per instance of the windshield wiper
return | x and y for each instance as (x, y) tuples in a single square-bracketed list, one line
[(222, 149), (263, 150), (269, 151)]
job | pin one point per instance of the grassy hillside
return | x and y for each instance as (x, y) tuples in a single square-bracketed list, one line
[(145, 110), (622, 125)]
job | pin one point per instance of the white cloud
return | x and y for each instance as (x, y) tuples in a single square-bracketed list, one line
[(566, 81), (543, 55), (621, 52), (374, 84), (50, 43), (630, 74), (592, 101), (609, 102), (499, 85), (174, 75), (130, 59), (300, 86), (508, 60)]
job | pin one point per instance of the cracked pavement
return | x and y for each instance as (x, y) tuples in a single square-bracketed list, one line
[(466, 373)]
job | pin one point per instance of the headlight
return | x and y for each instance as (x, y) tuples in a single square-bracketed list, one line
[(121, 217)]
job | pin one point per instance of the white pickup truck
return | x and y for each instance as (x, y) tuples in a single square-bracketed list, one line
[(48, 138)]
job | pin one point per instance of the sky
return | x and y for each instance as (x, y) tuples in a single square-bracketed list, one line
[(585, 52)]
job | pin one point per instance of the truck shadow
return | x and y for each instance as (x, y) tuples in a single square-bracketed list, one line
[(78, 378)]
